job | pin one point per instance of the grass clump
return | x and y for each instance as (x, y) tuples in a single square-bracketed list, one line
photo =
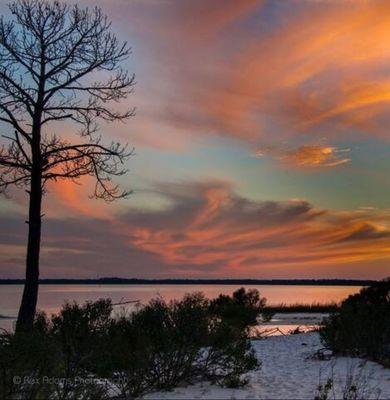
[(354, 384)]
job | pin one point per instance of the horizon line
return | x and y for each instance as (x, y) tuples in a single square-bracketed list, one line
[(223, 281)]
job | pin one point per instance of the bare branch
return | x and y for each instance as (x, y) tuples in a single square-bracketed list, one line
[(65, 160), (47, 56), (14, 167)]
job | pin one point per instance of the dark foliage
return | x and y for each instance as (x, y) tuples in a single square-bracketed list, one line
[(242, 309), (25, 360), (88, 352), (165, 344), (56, 358), (362, 325)]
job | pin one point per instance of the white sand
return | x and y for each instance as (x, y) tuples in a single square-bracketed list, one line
[(287, 373)]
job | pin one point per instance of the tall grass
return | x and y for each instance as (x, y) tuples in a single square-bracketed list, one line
[(304, 308)]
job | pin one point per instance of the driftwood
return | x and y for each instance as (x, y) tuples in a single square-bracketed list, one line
[(121, 303), (6, 317), (257, 335), (266, 332)]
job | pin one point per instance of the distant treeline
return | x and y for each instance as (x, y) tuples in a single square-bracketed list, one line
[(134, 281)]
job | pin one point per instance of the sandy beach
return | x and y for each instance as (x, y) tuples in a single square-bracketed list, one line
[(288, 371)]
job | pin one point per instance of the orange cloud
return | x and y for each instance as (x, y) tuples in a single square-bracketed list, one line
[(308, 156), (321, 55), (67, 196), (322, 62), (211, 227), (253, 70), (366, 97)]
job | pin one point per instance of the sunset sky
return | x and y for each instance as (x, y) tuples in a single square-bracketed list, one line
[(262, 148)]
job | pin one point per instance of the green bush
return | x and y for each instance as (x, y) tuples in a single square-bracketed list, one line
[(25, 360), (156, 347), (80, 331), (165, 344), (241, 310), (93, 354), (362, 325), (56, 359)]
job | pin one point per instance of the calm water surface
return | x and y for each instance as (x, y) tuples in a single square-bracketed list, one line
[(51, 297)]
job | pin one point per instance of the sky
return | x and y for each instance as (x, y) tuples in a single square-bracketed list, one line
[(262, 148)]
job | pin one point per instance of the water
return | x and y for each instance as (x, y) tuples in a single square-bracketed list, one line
[(51, 297)]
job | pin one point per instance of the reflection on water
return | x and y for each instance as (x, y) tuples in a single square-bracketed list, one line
[(51, 297)]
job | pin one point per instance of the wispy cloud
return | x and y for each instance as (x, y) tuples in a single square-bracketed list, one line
[(249, 73), (308, 156), (214, 226), (209, 230)]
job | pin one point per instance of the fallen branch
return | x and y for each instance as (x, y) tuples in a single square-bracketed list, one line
[(266, 332), (121, 303)]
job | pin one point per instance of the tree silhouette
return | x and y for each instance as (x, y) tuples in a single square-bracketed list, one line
[(58, 63)]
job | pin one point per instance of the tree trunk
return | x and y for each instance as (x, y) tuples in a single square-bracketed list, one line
[(30, 293)]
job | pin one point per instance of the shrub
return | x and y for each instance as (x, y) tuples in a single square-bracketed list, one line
[(242, 309), (79, 332), (362, 325), (165, 344), (92, 354), (25, 359), (56, 359), (156, 347)]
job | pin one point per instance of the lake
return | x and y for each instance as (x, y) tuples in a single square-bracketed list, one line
[(51, 297)]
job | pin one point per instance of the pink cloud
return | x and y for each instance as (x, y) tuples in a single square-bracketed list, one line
[(214, 73), (208, 230), (210, 225)]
